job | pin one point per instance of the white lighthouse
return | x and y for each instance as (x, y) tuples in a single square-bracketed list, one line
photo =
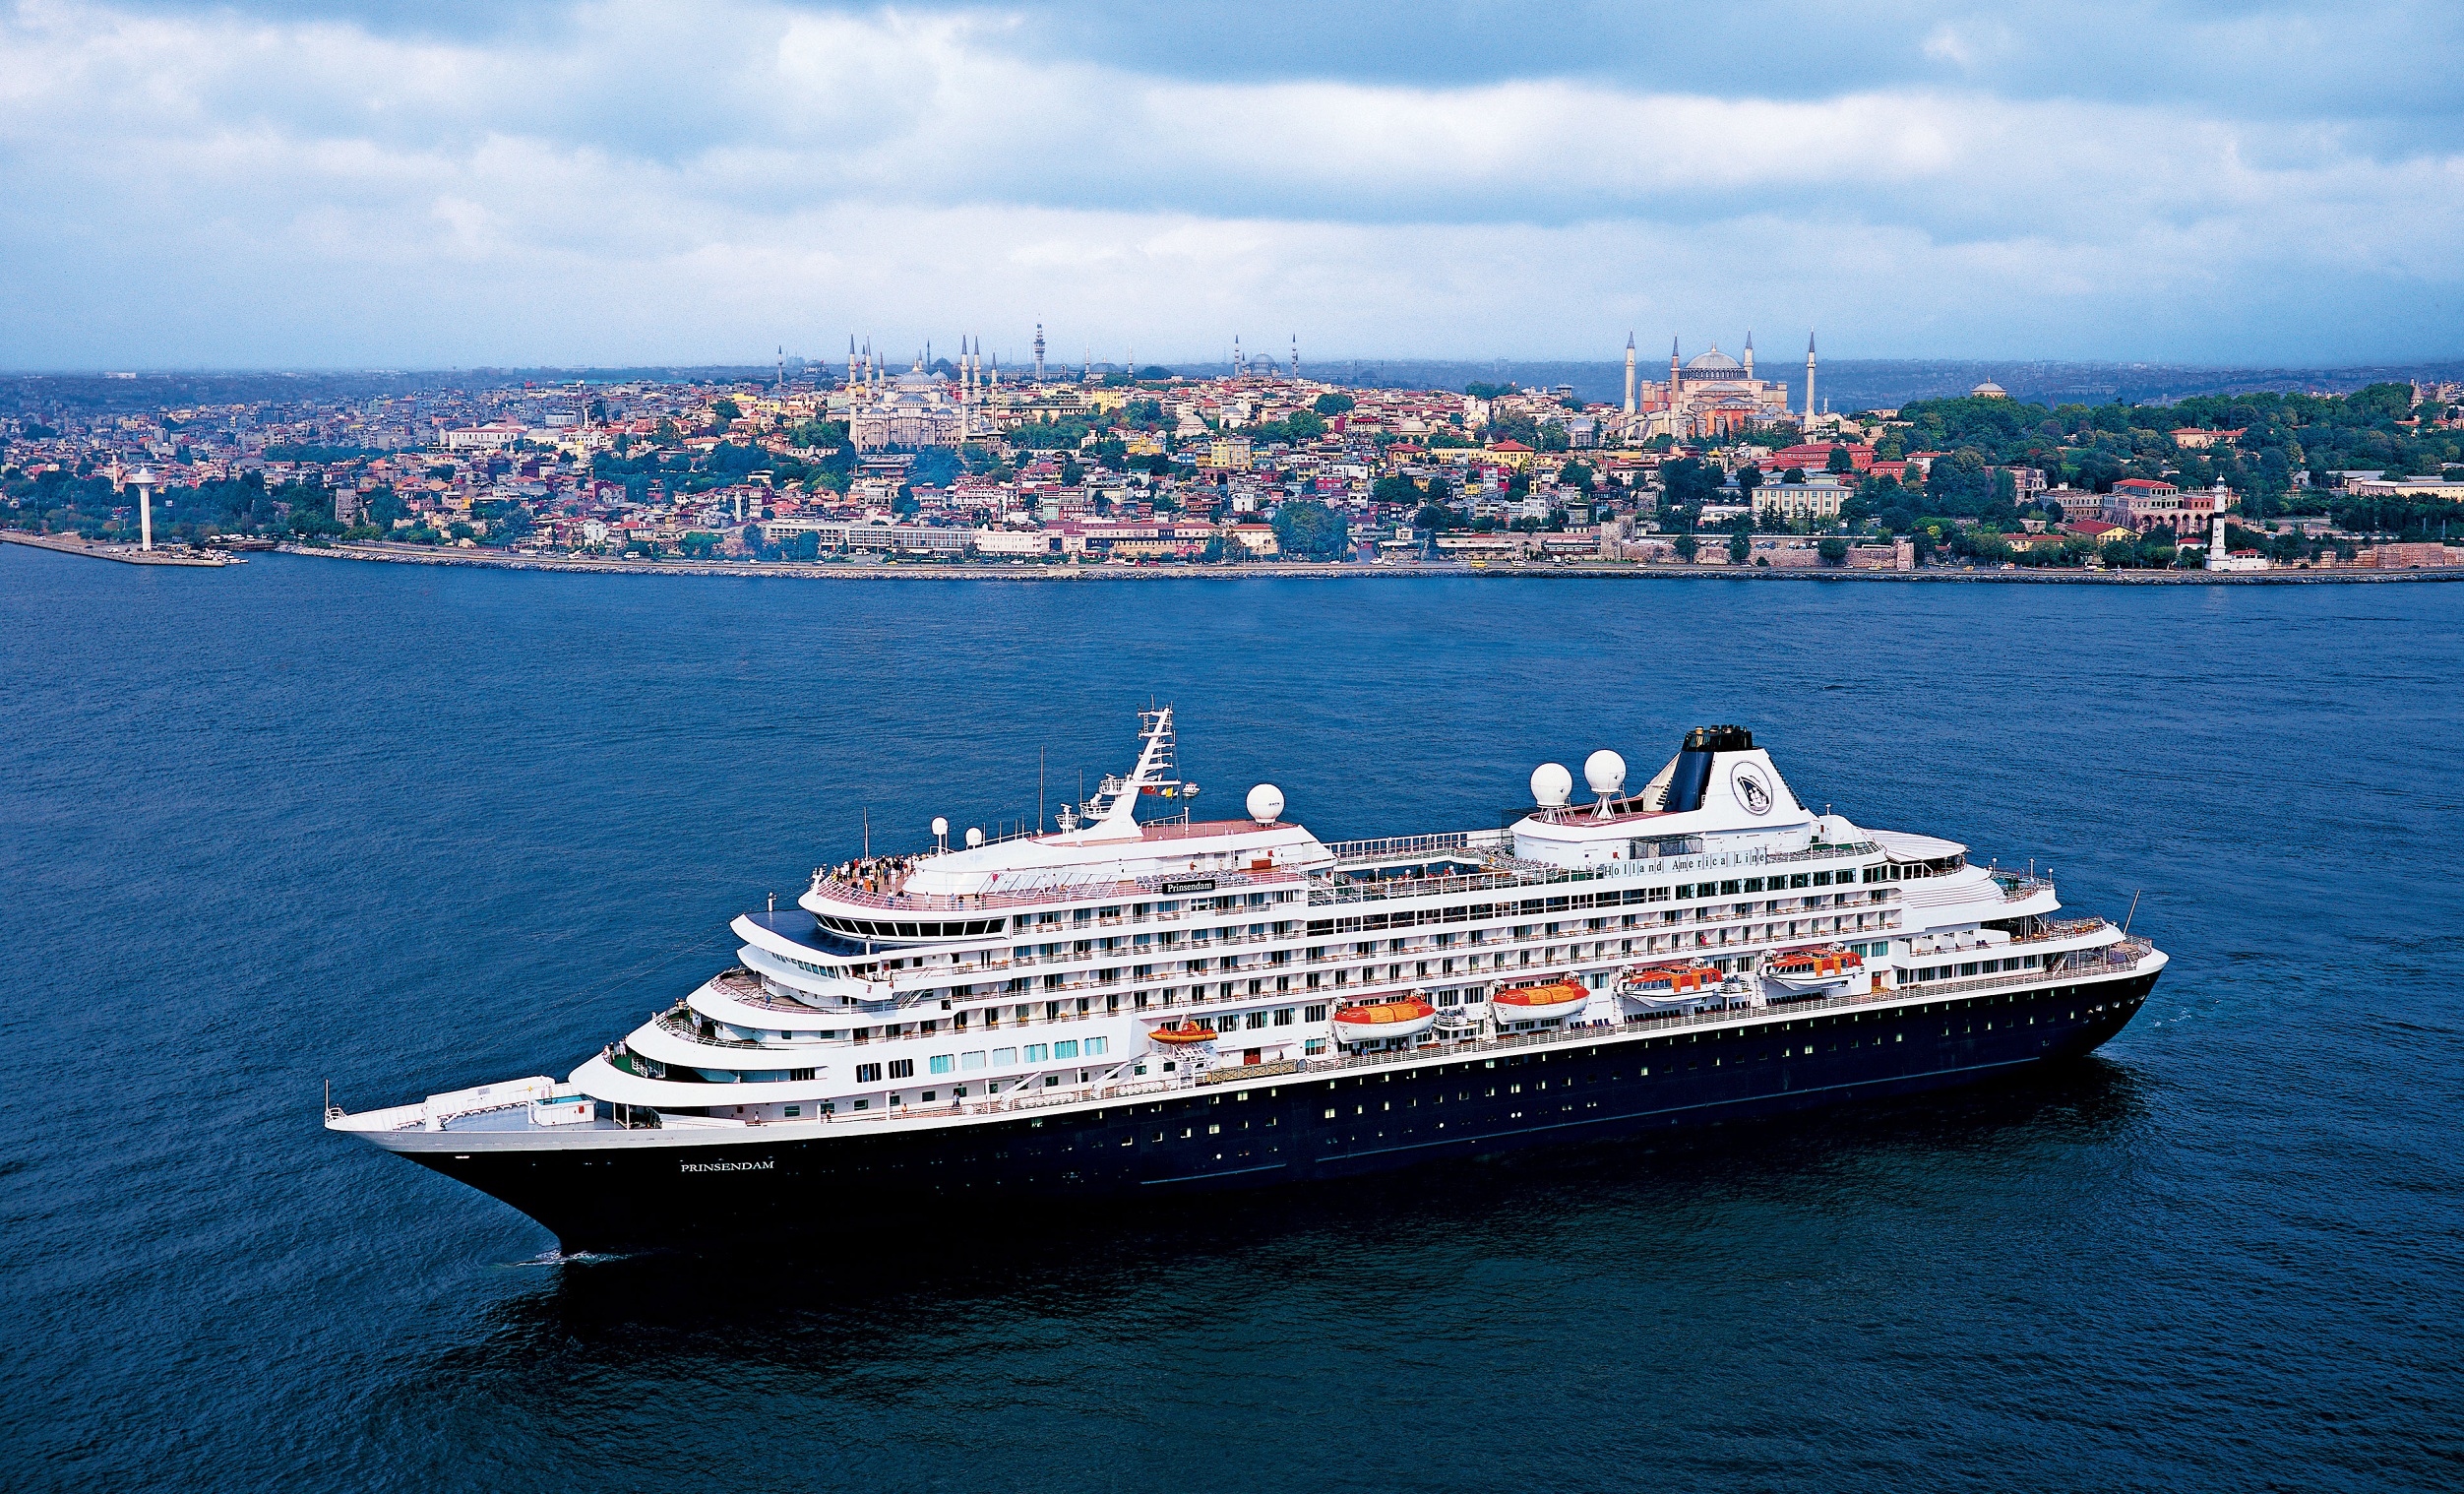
[(144, 481)]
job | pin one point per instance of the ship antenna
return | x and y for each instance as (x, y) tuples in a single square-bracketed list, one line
[(2134, 912)]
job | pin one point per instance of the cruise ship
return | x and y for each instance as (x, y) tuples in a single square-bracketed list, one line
[(1127, 1007)]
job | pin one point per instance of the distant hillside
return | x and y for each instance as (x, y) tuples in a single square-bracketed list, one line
[(1851, 384), (1845, 385)]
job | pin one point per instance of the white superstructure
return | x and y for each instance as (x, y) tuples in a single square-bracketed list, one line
[(1111, 957)]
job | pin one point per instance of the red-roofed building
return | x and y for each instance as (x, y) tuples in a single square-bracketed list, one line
[(1816, 457)]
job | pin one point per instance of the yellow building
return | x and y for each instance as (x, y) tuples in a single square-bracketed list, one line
[(1227, 454)]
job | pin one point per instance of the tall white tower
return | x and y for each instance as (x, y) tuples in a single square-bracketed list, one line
[(144, 482), (1039, 352), (1296, 356), (1809, 381), (1749, 353), (1629, 373)]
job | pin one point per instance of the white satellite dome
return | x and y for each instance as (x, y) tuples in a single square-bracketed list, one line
[(974, 837), (1266, 803), (1551, 785), (941, 827), (1605, 771)]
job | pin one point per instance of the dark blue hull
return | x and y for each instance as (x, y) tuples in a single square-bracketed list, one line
[(1307, 1128)]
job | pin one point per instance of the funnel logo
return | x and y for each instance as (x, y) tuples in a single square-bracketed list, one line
[(1753, 789)]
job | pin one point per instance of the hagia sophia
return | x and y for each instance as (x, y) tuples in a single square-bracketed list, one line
[(1707, 397)]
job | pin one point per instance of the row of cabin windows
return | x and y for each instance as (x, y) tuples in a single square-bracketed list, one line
[(983, 1058), (1475, 913), (1974, 968)]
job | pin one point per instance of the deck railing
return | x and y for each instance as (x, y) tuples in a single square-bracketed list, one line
[(2119, 956)]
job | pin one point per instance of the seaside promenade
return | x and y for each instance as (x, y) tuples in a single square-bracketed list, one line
[(931, 570)]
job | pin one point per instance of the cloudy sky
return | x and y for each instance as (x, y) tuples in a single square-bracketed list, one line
[(366, 183)]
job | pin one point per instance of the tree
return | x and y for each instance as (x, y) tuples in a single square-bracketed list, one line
[(726, 410), (1839, 461), (1331, 405), (1749, 478), (1793, 475), (1575, 473), (1395, 489), (1959, 483), (1687, 545), (1740, 541), (1513, 427), (1833, 550), (1690, 482), (1304, 526)]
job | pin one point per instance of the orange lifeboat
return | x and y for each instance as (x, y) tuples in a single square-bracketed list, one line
[(1811, 971), (1671, 985), (1540, 1002), (1395, 1018), (1187, 1035)]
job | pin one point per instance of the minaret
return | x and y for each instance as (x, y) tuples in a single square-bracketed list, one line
[(782, 368), (1629, 373), (996, 384), (1748, 354), (1039, 352), (1809, 381), (1236, 355), (1672, 374), (851, 361), (1296, 356)]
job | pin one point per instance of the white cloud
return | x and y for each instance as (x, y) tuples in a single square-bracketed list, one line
[(638, 183)]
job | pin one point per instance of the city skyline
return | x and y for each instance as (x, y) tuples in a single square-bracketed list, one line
[(264, 186)]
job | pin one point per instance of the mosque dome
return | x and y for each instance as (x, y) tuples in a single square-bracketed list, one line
[(1714, 361), (1989, 390)]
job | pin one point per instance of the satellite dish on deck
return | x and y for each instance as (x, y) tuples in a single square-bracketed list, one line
[(941, 827), (1605, 771), (974, 837), (1266, 803), (1551, 785)]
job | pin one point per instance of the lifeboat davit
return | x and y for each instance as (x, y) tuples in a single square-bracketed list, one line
[(1400, 1016), (1671, 985), (1813, 972), (1187, 1035), (1540, 1002)]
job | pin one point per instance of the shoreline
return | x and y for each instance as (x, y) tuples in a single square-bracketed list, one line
[(1344, 571), (125, 554)]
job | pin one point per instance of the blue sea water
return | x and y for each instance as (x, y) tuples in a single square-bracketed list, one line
[(409, 828)]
